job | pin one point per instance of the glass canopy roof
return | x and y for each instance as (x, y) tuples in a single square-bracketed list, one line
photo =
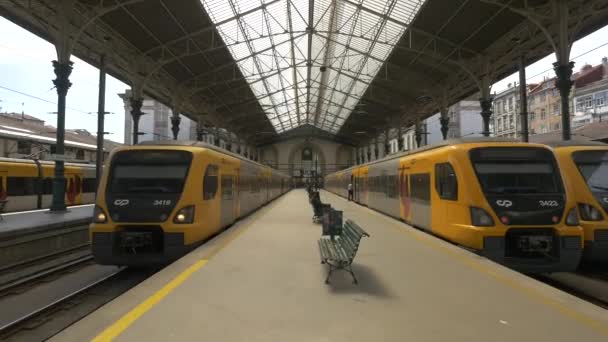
[(310, 76)]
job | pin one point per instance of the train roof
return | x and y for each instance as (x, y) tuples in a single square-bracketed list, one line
[(444, 143), (572, 143), (194, 143), (43, 162)]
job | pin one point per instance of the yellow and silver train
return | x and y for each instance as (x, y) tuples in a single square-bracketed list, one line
[(159, 200), (585, 168), (505, 200), (28, 184)]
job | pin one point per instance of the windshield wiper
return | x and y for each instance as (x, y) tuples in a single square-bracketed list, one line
[(604, 188)]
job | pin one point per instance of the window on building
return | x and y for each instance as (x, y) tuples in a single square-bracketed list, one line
[(556, 108), (80, 154), (556, 126), (543, 96), (532, 116), (555, 92), (588, 102), (580, 104), (446, 183), (500, 124), (531, 100), (24, 147), (600, 101), (510, 104), (543, 128), (543, 114)]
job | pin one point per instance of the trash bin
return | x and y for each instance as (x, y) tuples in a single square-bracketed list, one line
[(332, 222)]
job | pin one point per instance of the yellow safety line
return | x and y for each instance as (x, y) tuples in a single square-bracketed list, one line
[(129, 318), (125, 321), (597, 325)]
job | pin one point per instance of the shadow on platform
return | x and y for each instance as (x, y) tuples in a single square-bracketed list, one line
[(341, 282)]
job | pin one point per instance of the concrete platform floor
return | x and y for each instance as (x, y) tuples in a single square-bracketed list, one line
[(262, 281)]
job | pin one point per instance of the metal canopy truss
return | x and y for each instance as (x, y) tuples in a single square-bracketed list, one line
[(309, 62), (301, 66)]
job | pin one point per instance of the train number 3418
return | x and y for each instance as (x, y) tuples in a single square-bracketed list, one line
[(162, 202)]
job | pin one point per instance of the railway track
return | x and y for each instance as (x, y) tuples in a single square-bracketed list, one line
[(37, 316), (589, 285), (48, 318), (28, 273)]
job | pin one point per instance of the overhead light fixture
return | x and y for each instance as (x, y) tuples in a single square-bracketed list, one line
[(360, 132)]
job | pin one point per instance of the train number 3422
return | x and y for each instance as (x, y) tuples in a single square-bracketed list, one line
[(548, 203)]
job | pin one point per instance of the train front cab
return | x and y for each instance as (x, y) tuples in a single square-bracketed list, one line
[(585, 168), (152, 207), (481, 201)]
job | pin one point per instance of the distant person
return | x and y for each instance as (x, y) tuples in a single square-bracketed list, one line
[(350, 191)]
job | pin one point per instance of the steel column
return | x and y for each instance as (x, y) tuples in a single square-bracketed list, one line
[(175, 121), (101, 111), (418, 133), (136, 113), (376, 150), (444, 121), (564, 84), (523, 99), (200, 131), (62, 83), (387, 147), (486, 113)]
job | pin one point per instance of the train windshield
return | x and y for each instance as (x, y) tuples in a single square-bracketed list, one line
[(149, 172), (516, 170), (593, 165)]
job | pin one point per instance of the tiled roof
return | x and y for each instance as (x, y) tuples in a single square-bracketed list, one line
[(26, 127), (597, 131), (589, 75)]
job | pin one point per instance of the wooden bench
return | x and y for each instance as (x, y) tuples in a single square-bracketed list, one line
[(339, 252)]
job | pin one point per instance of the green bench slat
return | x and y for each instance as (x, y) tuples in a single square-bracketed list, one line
[(343, 248)]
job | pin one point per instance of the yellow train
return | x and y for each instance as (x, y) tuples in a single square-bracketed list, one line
[(505, 200), (27, 184), (159, 200), (585, 168)]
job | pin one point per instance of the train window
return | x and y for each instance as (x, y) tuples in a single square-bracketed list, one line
[(392, 187), (227, 187), (89, 185), (420, 187), (446, 183), (255, 183), (21, 186), (47, 186), (210, 182)]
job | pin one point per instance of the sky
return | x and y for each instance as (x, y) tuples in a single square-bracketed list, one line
[(25, 66)]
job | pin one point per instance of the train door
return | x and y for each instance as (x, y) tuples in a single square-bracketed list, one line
[(404, 194), (227, 200), (237, 194), (420, 189), (72, 189)]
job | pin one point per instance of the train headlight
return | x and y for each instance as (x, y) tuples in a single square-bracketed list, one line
[(589, 212), (572, 218), (185, 215), (481, 218), (99, 216)]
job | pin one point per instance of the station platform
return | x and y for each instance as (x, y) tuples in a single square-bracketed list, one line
[(261, 280), (24, 222)]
